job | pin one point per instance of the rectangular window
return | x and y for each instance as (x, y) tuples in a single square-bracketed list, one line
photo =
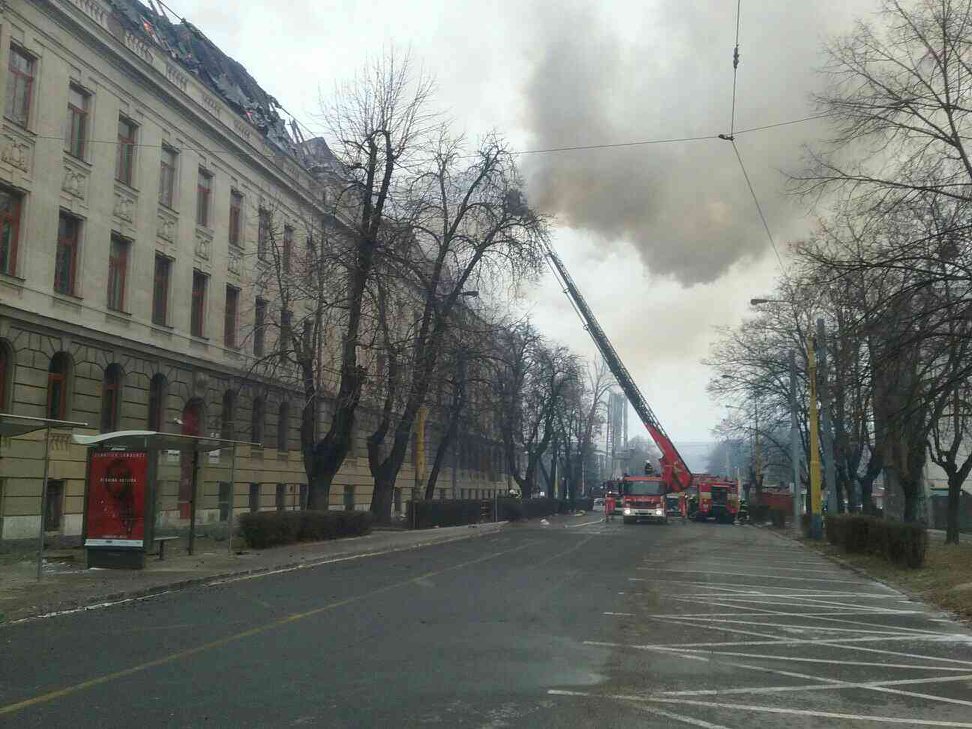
[(54, 506), (236, 219), (125, 164), (20, 86), (66, 255), (160, 289), (230, 316), (197, 323), (349, 498), (280, 499), (254, 498), (10, 203), (224, 500), (167, 174), (288, 248), (259, 327), (263, 234), (76, 134), (204, 190), (286, 338), (117, 272)]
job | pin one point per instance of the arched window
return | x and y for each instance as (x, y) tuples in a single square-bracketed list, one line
[(58, 386), (227, 416), (111, 392), (158, 391), (283, 426), (257, 417), (6, 376)]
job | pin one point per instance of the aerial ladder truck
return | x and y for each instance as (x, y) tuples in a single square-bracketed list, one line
[(643, 497)]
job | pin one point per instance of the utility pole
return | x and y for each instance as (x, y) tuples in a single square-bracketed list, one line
[(816, 522), (829, 465), (794, 440)]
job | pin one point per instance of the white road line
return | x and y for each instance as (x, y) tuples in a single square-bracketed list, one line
[(833, 685), (833, 661), (723, 629), (765, 709), (585, 524), (621, 614), (890, 630), (876, 611), (747, 574), (833, 571), (819, 714), (798, 590), (901, 654), (680, 717), (918, 638)]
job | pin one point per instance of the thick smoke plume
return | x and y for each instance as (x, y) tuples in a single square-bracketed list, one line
[(618, 72)]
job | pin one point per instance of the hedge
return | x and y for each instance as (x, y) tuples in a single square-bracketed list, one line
[(897, 542), (264, 529), (457, 512)]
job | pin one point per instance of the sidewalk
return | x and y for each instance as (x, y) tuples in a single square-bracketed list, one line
[(67, 585)]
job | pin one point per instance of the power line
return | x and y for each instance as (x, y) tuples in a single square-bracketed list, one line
[(735, 72), (759, 208)]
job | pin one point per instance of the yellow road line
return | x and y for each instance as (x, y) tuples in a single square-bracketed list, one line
[(179, 655)]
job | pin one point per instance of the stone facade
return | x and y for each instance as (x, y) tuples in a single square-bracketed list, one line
[(83, 45)]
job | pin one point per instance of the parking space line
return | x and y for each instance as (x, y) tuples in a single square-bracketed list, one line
[(747, 574), (834, 661), (882, 686), (818, 714), (691, 720)]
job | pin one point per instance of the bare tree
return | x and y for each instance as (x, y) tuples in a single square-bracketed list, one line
[(467, 226), (531, 380), (378, 122)]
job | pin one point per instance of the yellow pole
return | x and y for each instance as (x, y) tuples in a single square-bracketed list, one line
[(420, 449), (816, 522)]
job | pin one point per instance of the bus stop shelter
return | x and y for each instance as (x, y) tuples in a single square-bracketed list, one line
[(120, 491), (15, 426)]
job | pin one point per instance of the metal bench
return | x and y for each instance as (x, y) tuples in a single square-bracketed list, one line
[(161, 541)]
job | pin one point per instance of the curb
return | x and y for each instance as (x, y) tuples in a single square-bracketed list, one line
[(115, 598)]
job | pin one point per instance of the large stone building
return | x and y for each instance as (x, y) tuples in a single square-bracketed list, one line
[(135, 161)]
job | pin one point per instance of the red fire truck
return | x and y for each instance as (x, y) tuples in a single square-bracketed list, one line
[(643, 498), (716, 498)]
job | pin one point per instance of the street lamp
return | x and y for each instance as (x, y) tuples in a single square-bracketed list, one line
[(816, 526)]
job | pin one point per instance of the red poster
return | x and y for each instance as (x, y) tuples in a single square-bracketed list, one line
[(116, 499)]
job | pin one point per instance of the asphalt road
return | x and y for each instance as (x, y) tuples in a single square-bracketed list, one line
[(573, 624)]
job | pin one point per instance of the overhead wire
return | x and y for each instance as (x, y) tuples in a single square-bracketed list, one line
[(735, 71)]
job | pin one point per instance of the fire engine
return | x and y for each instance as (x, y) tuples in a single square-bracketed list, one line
[(643, 497), (717, 498)]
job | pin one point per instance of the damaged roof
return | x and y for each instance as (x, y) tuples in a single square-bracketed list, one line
[(194, 52)]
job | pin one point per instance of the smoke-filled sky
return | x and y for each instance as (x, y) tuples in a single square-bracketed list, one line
[(664, 239)]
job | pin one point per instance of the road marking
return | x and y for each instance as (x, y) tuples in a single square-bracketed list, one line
[(765, 709), (621, 614), (680, 717), (831, 684), (761, 564), (876, 664), (747, 574), (888, 630), (722, 629), (796, 641), (819, 714), (236, 637)]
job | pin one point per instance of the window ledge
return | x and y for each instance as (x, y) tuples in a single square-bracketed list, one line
[(168, 208), (68, 157), (131, 189), (12, 279), (162, 329), (122, 317), (19, 127), (71, 299)]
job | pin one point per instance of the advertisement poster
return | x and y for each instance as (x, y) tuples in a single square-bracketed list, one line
[(116, 499)]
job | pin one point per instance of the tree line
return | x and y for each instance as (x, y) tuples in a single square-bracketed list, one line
[(888, 268), (397, 310)]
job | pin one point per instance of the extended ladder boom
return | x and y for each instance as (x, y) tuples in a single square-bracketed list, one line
[(674, 470)]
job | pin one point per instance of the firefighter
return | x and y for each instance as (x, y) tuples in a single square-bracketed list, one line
[(609, 507), (683, 507)]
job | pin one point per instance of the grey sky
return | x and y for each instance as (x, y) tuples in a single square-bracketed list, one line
[(663, 239)]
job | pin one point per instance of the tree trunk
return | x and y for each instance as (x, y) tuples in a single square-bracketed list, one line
[(952, 513), (445, 446)]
